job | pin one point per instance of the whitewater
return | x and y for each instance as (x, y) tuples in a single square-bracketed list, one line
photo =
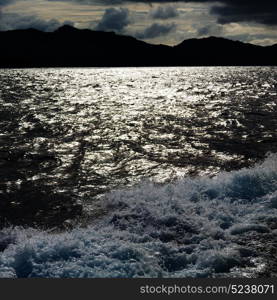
[(190, 228)]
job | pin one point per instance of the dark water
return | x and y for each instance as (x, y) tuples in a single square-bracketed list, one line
[(168, 170)]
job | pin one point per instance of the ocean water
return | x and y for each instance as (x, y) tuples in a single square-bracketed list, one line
[(138, 172)]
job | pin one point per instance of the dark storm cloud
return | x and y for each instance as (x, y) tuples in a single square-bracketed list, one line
[(260, 11), (11, 21), (164, 12), (211, 29), (155, 30), (114, 19), (263, 11), (6, 2), (87, 2)]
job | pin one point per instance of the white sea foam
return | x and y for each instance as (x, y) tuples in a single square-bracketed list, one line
[(189, 228)]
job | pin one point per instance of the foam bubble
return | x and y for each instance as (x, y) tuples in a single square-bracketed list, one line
[(189, 228)]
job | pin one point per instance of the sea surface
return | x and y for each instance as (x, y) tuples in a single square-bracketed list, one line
[(138, 172)]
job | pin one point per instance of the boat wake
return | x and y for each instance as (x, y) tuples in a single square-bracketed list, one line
[(195, 227)]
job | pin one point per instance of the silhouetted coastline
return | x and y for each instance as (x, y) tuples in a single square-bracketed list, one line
[(71, 47)]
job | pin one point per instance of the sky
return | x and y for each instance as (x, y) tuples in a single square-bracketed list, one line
[(157, 21)]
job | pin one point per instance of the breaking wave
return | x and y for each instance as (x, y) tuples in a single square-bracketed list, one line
[(190, 228)]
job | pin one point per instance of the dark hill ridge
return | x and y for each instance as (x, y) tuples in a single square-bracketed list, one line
[(71, 47), (220, 51)]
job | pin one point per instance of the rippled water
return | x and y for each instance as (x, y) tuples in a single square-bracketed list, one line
[(76, 146)]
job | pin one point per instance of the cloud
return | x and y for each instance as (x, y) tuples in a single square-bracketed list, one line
[(211, 29), (264, 42), (164, 12), (155, 30), (114, 19), (11, 21), (88, 2), (263, 11), (6, 2), (259, 11)]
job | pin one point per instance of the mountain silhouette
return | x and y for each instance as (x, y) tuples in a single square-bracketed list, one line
[(71, 47)]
